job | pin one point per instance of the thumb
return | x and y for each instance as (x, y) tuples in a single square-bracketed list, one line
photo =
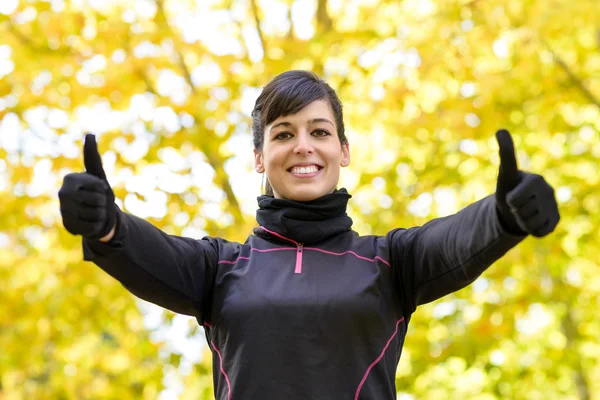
[(91, 157), (508, 161)]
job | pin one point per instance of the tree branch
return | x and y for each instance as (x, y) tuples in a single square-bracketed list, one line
[(144, 77), (180, 59), (257, 22), (574, 78), (290, 33), (570, 331), (324, 21), (139, 71), (22, 38), (215, 161), (35, 47)]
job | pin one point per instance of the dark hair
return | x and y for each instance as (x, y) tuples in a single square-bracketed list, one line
[(287, 94)]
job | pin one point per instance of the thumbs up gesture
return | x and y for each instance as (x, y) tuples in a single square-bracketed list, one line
[(86, 198), (525, 201)]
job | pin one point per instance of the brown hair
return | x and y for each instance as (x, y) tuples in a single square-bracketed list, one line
[(287, 94)]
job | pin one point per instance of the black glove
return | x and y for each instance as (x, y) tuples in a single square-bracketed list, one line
[(525, 201), (87, 203)]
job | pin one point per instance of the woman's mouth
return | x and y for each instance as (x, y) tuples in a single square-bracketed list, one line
[(305, 171)]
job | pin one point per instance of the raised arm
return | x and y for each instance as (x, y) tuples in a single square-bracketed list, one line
[(447, 254), (167, 270)]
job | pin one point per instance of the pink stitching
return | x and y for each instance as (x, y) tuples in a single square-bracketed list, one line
[(377, 360), (325, 251), (278, 235), (307, 248), (223, 371), (348, 252), (382, 260), (207, 324), (253, 249), (275, 249), (233, 262)]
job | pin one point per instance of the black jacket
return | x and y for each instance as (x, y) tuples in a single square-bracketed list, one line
[(286, 320)]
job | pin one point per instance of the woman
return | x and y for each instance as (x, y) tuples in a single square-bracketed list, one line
[(306, 308)]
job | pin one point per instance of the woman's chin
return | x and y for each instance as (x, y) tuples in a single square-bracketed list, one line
[(305, 195)]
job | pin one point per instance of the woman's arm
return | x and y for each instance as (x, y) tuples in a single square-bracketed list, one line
[(166, 270), (447, 254), (173, 272)]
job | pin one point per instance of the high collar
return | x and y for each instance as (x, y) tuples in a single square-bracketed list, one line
[(306, 222)]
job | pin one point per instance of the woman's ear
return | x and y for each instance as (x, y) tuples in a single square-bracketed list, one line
[(345, 155), (258, 162)]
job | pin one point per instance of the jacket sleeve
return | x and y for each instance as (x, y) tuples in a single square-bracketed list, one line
[(166, 270), (446, 254)]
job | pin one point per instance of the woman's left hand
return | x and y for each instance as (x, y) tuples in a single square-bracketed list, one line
[(525, 201)]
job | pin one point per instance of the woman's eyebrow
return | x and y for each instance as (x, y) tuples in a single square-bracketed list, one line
[(284, 123), (310, 122), (317, 120)]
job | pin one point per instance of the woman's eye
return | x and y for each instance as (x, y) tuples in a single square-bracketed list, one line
[(321, 133), (282, 135), (287, 135)]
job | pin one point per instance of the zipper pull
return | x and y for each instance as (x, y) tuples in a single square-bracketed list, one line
[(298, 268)]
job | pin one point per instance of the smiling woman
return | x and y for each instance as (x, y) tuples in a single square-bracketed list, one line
[(305, 308), (302, 153), (299, 136)]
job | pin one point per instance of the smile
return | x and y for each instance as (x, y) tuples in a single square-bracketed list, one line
[(307, 171)]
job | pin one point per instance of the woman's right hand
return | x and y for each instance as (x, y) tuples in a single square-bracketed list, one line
[(87, 202)]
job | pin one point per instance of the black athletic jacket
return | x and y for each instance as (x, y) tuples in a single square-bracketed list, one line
[(321, 319)]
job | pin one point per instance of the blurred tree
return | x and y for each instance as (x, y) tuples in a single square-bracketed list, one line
[(168, 86)]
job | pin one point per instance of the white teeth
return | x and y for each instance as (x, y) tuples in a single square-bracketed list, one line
[(305, 170)]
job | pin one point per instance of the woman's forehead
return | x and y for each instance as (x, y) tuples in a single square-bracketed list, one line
[(317, 112)]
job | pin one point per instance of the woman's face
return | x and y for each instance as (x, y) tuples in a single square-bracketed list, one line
[(302, 154)]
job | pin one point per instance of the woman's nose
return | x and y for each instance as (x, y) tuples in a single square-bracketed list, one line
[(303, 144)]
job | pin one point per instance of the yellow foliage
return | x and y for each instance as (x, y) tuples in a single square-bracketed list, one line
[(168, 85)]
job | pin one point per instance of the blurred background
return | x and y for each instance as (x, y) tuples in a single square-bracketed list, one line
[(168, 86)]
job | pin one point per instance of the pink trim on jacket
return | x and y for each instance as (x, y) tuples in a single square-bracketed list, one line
[(223, 371), (349, 252), (362, 382), (299, 250), (278, 235), (253, 249), (233, 262), (269, 250)]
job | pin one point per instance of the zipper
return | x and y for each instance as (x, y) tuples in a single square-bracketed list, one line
[(298, 269), (299, 251)]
